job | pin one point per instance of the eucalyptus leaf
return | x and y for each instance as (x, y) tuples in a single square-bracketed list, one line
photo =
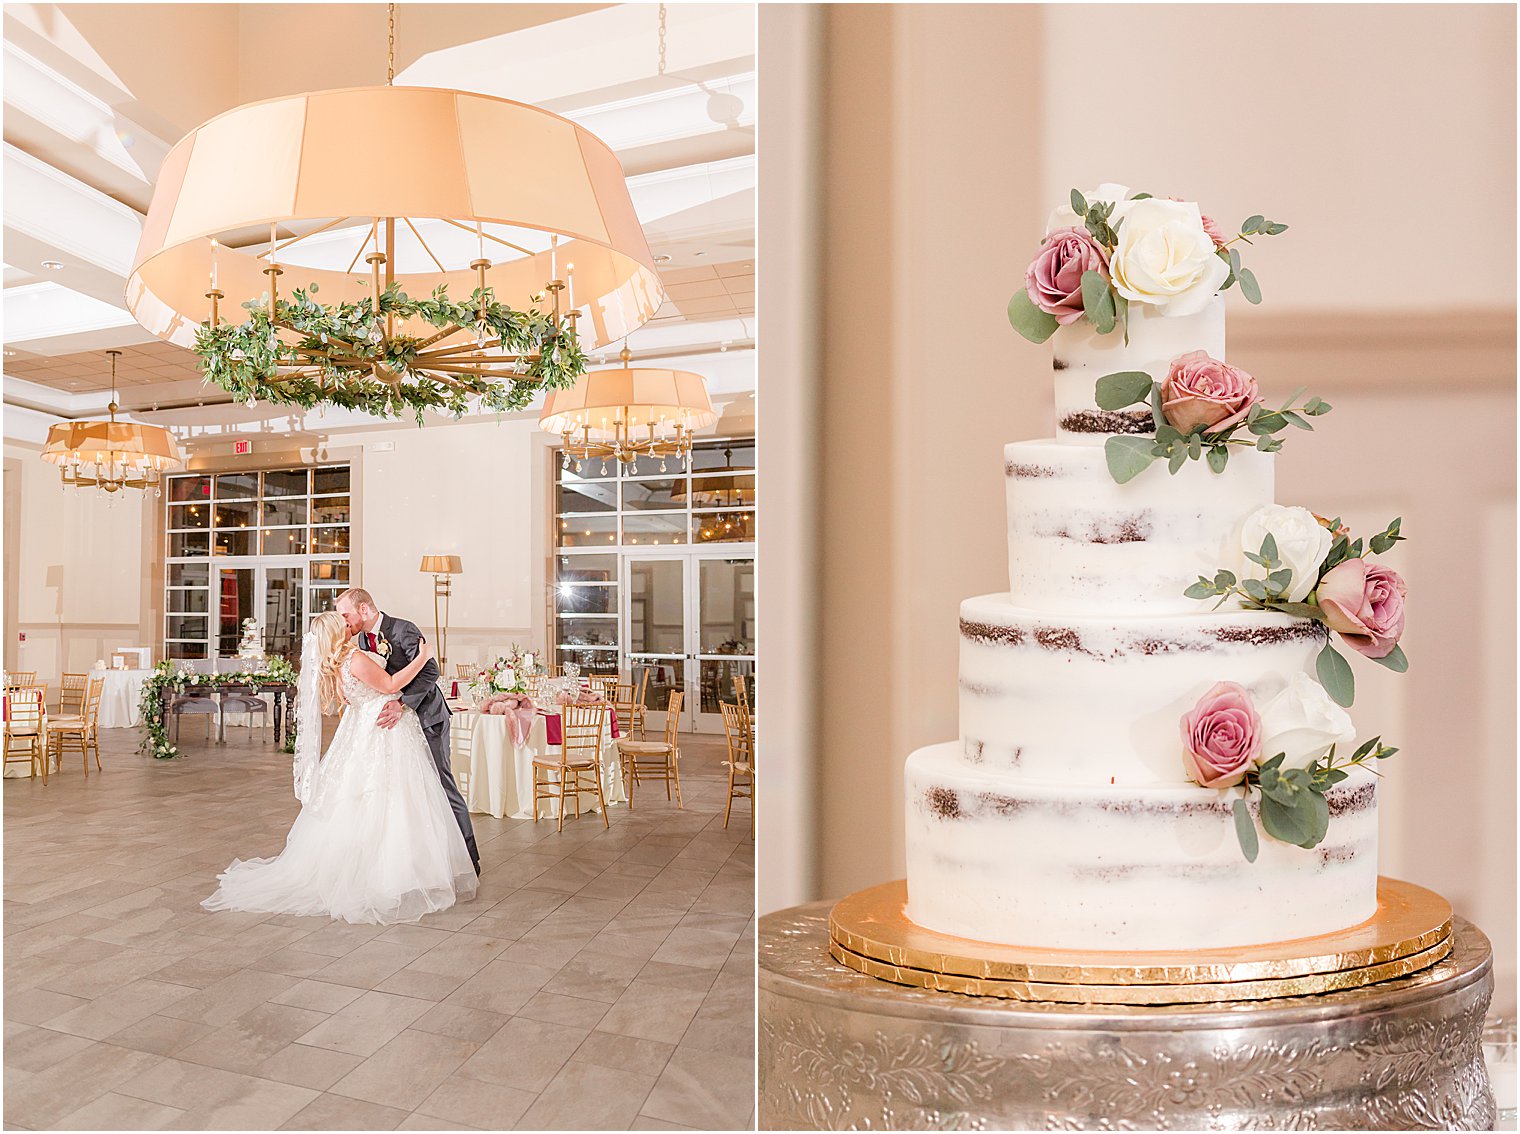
[(1234, 257), (1078, 203), (1248, 285), (1028, 320), (1224, 579), (1296, 420), (1302, 823), (1334, 673), (1124, 388), (1269, 548), (1280, 581), (1252, 224), (1218, 457), (1128, 456), (1245, 830), (1300, 610), (1098, 302), (1395, 660), (1256, 588), (1276, 229), (1194, 447), (1200, 591), (1177, 460)]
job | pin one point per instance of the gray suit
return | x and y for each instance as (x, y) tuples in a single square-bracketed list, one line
[(423, 696)]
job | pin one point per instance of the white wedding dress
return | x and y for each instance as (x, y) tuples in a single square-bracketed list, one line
[(375, 840)]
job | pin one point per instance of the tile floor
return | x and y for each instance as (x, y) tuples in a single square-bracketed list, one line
[(602, 979)]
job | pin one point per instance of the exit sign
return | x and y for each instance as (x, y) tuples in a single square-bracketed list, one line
[(242, 448)]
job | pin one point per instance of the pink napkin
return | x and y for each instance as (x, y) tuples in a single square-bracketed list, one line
[(554, 726)]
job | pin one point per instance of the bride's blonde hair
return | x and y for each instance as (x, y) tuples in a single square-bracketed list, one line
[(333, 647)]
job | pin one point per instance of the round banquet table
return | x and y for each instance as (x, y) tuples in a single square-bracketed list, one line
[(120, 697), (501, 772)]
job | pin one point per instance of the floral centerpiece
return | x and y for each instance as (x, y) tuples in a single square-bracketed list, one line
[(171, 678), (508, 673)]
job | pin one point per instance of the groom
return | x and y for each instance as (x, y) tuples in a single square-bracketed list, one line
[(396, 640)]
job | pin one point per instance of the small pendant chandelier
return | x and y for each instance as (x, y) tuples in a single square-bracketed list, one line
[(629, 412), (112, 455)]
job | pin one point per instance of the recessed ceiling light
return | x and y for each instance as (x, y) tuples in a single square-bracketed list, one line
[(53, 265), (10, 354), (662, 258)]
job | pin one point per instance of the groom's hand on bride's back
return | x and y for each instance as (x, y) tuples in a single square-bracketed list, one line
[(390, 713)]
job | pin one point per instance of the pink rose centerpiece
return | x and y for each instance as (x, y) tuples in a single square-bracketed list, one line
[(1201, 391), (1221, 737), (1364, 603), (1054, 279)]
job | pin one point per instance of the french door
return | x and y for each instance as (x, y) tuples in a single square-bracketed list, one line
[(688, 618), (272, 591)]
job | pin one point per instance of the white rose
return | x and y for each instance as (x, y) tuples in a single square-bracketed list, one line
[(1065, 217), (1302, 544), (1164, 257), (1302, 722)]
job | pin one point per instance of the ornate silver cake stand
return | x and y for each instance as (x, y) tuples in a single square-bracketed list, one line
[(841, 1050)]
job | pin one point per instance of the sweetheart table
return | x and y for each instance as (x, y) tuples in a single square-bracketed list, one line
[(501, 771)]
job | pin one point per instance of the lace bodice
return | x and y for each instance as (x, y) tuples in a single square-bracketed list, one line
[(356, 691)]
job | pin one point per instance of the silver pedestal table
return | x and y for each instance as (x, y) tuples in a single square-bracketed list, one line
[(840, 1050)]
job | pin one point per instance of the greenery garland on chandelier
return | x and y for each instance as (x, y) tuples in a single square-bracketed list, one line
[(167, 676), (342, 355)]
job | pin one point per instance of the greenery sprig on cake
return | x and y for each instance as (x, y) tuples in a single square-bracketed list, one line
[(1202, 408), (1112, 248)]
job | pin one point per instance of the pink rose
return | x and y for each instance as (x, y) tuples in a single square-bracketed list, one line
[(1054, 279), (1202, 391), (1364, 603), (1221, 737), (1212, 228)]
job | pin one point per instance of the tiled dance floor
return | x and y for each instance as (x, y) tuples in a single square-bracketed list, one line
[(601, 979)]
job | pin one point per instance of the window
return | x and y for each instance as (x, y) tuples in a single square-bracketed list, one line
[(604, 510), (272, 545)]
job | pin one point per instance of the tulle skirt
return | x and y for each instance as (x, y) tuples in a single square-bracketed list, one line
[(376, 842)]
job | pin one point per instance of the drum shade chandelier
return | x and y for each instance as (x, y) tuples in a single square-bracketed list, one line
[(629, 412), (391, 248), (112, 455)]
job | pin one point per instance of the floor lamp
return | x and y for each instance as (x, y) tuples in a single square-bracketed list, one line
[(441, 567)]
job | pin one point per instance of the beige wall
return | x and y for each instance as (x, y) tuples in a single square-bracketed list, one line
[(949, 133), (74, 557)]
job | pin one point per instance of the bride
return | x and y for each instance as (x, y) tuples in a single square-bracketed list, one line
[(375, 840)]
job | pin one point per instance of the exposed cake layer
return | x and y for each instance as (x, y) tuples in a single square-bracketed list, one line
[(1122, 868), (1081, 356), (1078, 541), (1082, 699)]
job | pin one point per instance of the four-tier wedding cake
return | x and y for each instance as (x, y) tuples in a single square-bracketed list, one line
[(1153, 750)]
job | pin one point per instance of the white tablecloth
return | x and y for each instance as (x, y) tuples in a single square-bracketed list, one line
[(118, 700), (501, 772)]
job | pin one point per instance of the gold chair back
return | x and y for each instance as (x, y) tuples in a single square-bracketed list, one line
[(25, 710), (583, 726), (736, 731), (92, 695), (71, 694), (673, 719), (620, 696), (465, 671), (741, 690), (21, 679)]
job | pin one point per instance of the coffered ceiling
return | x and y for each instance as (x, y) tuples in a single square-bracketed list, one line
[(96, 94)]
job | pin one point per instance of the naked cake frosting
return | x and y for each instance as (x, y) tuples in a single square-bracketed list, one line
[(1154, 751)]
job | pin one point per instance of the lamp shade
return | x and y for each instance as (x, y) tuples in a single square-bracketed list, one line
[(105, 442), (441, 565), (603, 399), (432, 165)]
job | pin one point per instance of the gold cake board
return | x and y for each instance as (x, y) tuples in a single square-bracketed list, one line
[(869, 932)]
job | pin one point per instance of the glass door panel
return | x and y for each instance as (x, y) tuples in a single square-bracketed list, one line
[(657, 631), (725, 622), (284, 602), (234, 602)]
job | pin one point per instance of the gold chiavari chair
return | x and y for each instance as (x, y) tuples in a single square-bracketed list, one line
[(579, 766), (21, 679), (461, 751), (657, 760), (603, 683), (536, 686), (741, 691), (80, 732), (25, 725), (71, 694), (638, 701), (620, 696), (740, 762), (465, 671)]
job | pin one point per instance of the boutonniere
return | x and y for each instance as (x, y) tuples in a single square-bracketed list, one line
[(382, 646)]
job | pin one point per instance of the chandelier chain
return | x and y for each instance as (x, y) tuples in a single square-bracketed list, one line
[(390, 48), (662, 39)]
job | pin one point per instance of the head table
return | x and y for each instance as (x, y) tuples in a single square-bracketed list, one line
[(500, 771)]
